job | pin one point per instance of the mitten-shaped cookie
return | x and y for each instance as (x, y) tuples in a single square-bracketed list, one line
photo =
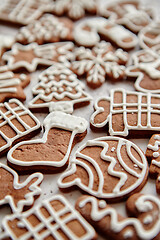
[(51, 152), (144, 222)]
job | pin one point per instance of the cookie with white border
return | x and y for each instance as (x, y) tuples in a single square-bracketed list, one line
[(18, 194), (100, 63), (88, 32), (16, 123), (111, 168), (53, 218), (58, 89), (32, 55), (130, 13), (47, 29), (127, 113), (51, 152), (143, 221), (153, 156)]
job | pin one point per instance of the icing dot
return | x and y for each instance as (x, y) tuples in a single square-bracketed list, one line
[(135, 165), (112, 149), (128, 234), (23, 77), (60, 89), (156, 154), (147, 220), (20, 225), (102, 204)]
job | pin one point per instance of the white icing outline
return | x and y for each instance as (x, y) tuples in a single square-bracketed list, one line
[(149, 67), (29, 197), (139, 105), (14, 115), (47, 222), (54, 120), (98, 26), (48, 82), (123, 176), (44, 54), (129, 13), (116, 225), (155, 149)]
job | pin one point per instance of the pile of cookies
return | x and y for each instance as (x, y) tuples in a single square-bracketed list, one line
[(110, 44)]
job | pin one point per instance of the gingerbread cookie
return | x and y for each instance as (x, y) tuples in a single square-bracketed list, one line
[(127, 113), (12, 84), (145, 70), (74, 9), (89, 31), (18, 195), (51, 152), (149, 37), (54, 218), (153, 155), (6, 42), (130, 13), (100, 63), (108, 167), (45, 30), (32, 55), (144, 223), (16, 123), (23, 12), (58, 89)]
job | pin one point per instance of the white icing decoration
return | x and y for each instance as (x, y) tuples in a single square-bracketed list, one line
[(46, 28), (75, 8), (128, 234), (61, 221), (147, 220), (46, 54), (126, 13), (117, 192), (156, 154), (62, 79), (146, 61), (14, 115), (6, 41), (116, 225), (103, 26), (155, 149), (22, 11), (99, 62), (29, 197), (53, 120), (149, 108)]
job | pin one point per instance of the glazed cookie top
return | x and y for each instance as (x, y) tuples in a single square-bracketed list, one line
[(107, 167)]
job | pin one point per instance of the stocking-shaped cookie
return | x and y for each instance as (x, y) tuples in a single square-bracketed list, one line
[(127, 113), (89, 31), (12, 84), (53, 218), (130, 13), (153, 155), (52, 151), (145, 71), (144, 222), (58, 89), (108, 167), (18, 195)]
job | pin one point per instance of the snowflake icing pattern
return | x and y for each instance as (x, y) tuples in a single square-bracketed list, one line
[(102, 60)]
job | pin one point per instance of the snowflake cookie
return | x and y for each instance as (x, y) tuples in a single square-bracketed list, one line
[(47, 29), (88, 32), (145, 70), (112, 168), (12, 84), (153, 155), (75, 9), (126, 113), (16, 123), (53, 218), (131, 13), (99, 63), (143, 223), (18, 194), (32, 55), (22, 11), (51, 152), (58, 89)]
